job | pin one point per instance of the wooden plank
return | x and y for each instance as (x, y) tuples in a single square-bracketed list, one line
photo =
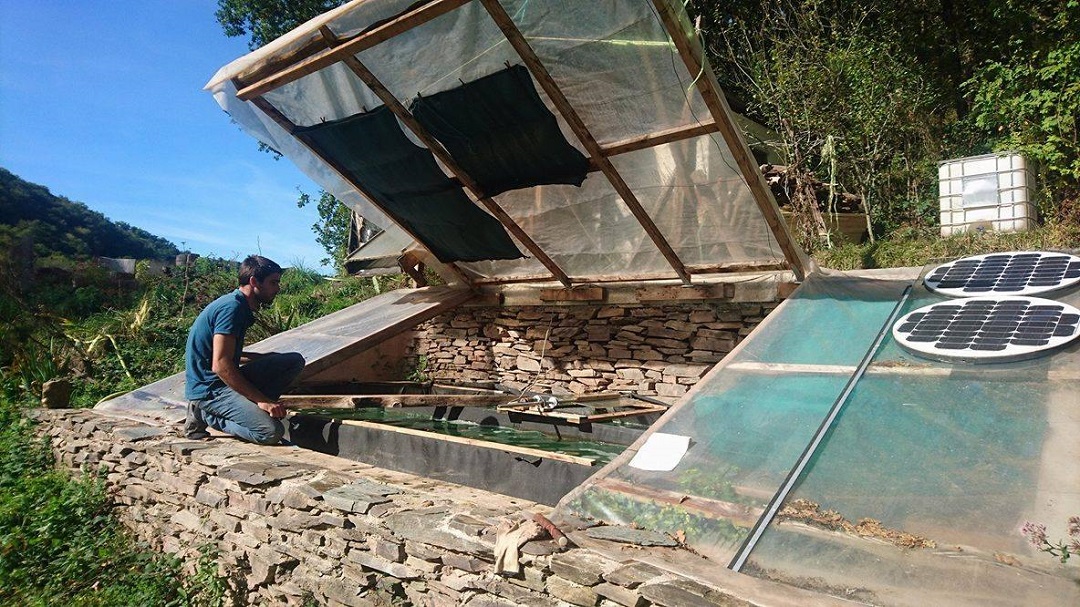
[(599, 417), (693, 56), (540, 73), (309, 65), (573, 294), (272, 112), (436, 148), (686, 292), (472, 442), (328, 343), (738, 514), (671, 135), (727, 268), (319, 401), (394, 401)]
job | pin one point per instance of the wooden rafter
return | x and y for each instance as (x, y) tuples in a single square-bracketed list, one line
[(693, 56), (659, 138), (437, 149), (272, 112), (309, 65), (540, 73)]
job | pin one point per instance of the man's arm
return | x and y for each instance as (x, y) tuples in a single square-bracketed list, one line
[(222, 363)]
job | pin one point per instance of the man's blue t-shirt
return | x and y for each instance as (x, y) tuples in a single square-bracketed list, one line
[(226, 315)]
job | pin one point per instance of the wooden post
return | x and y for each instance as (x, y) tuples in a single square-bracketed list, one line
[(540, 73), (693, 56), (436, 148)]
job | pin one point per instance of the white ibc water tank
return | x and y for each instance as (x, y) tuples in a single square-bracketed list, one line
[(990, 192)]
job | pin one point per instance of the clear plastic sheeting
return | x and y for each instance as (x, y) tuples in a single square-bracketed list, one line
[(749, 419), (920, 489), (945, 463), (618, 69)]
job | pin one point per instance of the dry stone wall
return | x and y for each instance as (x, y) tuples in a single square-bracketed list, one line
[(652, 350), (294, 527)]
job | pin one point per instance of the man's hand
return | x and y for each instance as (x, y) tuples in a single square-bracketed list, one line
[(276, 410)]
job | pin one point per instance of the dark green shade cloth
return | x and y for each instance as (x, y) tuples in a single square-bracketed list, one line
[(501, 134), (407, 183)]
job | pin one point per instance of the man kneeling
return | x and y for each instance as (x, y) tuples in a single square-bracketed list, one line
[(241, 401)]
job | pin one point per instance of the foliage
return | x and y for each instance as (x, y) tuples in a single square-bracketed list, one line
[(264, 20), (57, 226), (1028, 100), (59, 543), (1061, 549), (332, 229), (845, 99), (918, 247)]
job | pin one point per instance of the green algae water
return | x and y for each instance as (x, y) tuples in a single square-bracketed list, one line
[(599, 451)]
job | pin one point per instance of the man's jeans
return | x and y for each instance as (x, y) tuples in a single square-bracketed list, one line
[(233, 414)]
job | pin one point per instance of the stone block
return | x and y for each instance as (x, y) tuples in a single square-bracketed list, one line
[(209, 497), (187, 520), (582, 567), (620, 595), (572, 593), (371, 561), (633, 574), (393, 551), (464, 562), (687, 593)]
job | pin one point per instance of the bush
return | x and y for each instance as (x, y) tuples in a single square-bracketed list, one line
[(59, 542)]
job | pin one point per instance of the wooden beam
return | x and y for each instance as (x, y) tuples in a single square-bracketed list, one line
[(448, 161), (693, 56), (540, 73), (686, 292), (283, 121), (472, 442), (576, 294), (644, 142), (738, 514), (309, 65), (394, 401)]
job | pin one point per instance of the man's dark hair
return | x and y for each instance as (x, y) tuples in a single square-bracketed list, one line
[(259, 267)]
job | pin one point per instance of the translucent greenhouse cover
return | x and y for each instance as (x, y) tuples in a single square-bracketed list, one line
[(919, 491), (322, 342), (620, 71)]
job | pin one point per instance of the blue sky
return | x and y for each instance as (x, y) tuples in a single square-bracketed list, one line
[(101, 101)]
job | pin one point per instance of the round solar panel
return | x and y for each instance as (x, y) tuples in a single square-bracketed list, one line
[(1012, 273), (988, 328)]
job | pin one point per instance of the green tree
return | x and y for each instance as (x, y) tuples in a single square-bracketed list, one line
[(264, 20), (332, 228)]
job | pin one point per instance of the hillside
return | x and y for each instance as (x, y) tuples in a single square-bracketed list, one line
[(67, 228)]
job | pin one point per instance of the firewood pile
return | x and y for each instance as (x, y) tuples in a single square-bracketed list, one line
[(783, 188)]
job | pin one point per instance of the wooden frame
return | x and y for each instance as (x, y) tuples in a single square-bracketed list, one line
[(308, 61), (437, 149), (272, 112)]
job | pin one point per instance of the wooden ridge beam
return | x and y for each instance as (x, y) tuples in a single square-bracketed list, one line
[(436, 148), (272, 112), (693, 56), (540, 73), (311, 64)]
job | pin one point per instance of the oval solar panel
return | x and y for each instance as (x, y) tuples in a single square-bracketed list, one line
[(1012, 273), (988, 329)]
